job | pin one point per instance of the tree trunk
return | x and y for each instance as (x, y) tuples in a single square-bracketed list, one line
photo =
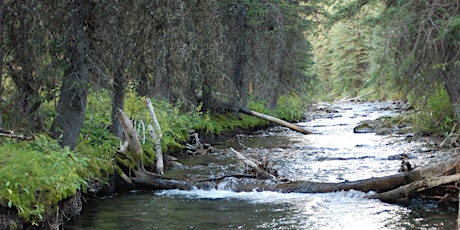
[(118, 101), (403, 194), (71, 107), (156, 135), (452, 84), (240, 78), (134, 148)]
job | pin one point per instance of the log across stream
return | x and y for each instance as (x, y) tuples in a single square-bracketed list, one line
[(333, 159)]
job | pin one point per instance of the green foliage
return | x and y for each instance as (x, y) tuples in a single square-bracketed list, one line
[(436, 116), (36, 175), (292, 11), (291, 108), (96, 141), (174, 124), (349, 53)]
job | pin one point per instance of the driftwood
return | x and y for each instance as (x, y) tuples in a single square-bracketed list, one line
[(260, 173), (403, 194), (133, 147), (378, 184), (15, 136), (275, 120), (159, 165), (156, 135)]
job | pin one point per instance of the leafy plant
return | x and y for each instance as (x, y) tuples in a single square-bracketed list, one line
[(36, 175)]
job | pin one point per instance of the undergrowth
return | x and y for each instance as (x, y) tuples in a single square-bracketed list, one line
[(434, 118), (38, 174)]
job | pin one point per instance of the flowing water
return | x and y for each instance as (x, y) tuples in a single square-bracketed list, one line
[(334, 154)]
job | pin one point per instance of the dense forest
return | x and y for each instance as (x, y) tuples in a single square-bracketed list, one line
[(212, 54), (213, 57), (216, 55)]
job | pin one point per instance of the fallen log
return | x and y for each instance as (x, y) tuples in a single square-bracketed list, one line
[(12, 135), (378, 184), (275, 120), (154, 182), (403, 194)]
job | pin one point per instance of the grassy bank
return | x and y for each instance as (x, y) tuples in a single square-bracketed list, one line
[(36, 175)]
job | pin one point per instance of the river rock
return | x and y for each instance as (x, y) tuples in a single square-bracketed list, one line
[(386, 131), (425, 149), (401, 156), (384, 125), (174, 164), (363, 128)]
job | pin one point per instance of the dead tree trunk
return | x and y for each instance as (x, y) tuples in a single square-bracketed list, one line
[(275, 120), (378, 184), (134, 148), (403, 194), (156, 134)]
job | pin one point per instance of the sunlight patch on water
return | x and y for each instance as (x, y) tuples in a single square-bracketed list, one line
[(251, 197)]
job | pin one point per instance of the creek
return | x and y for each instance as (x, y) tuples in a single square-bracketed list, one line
[(334, 154)]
